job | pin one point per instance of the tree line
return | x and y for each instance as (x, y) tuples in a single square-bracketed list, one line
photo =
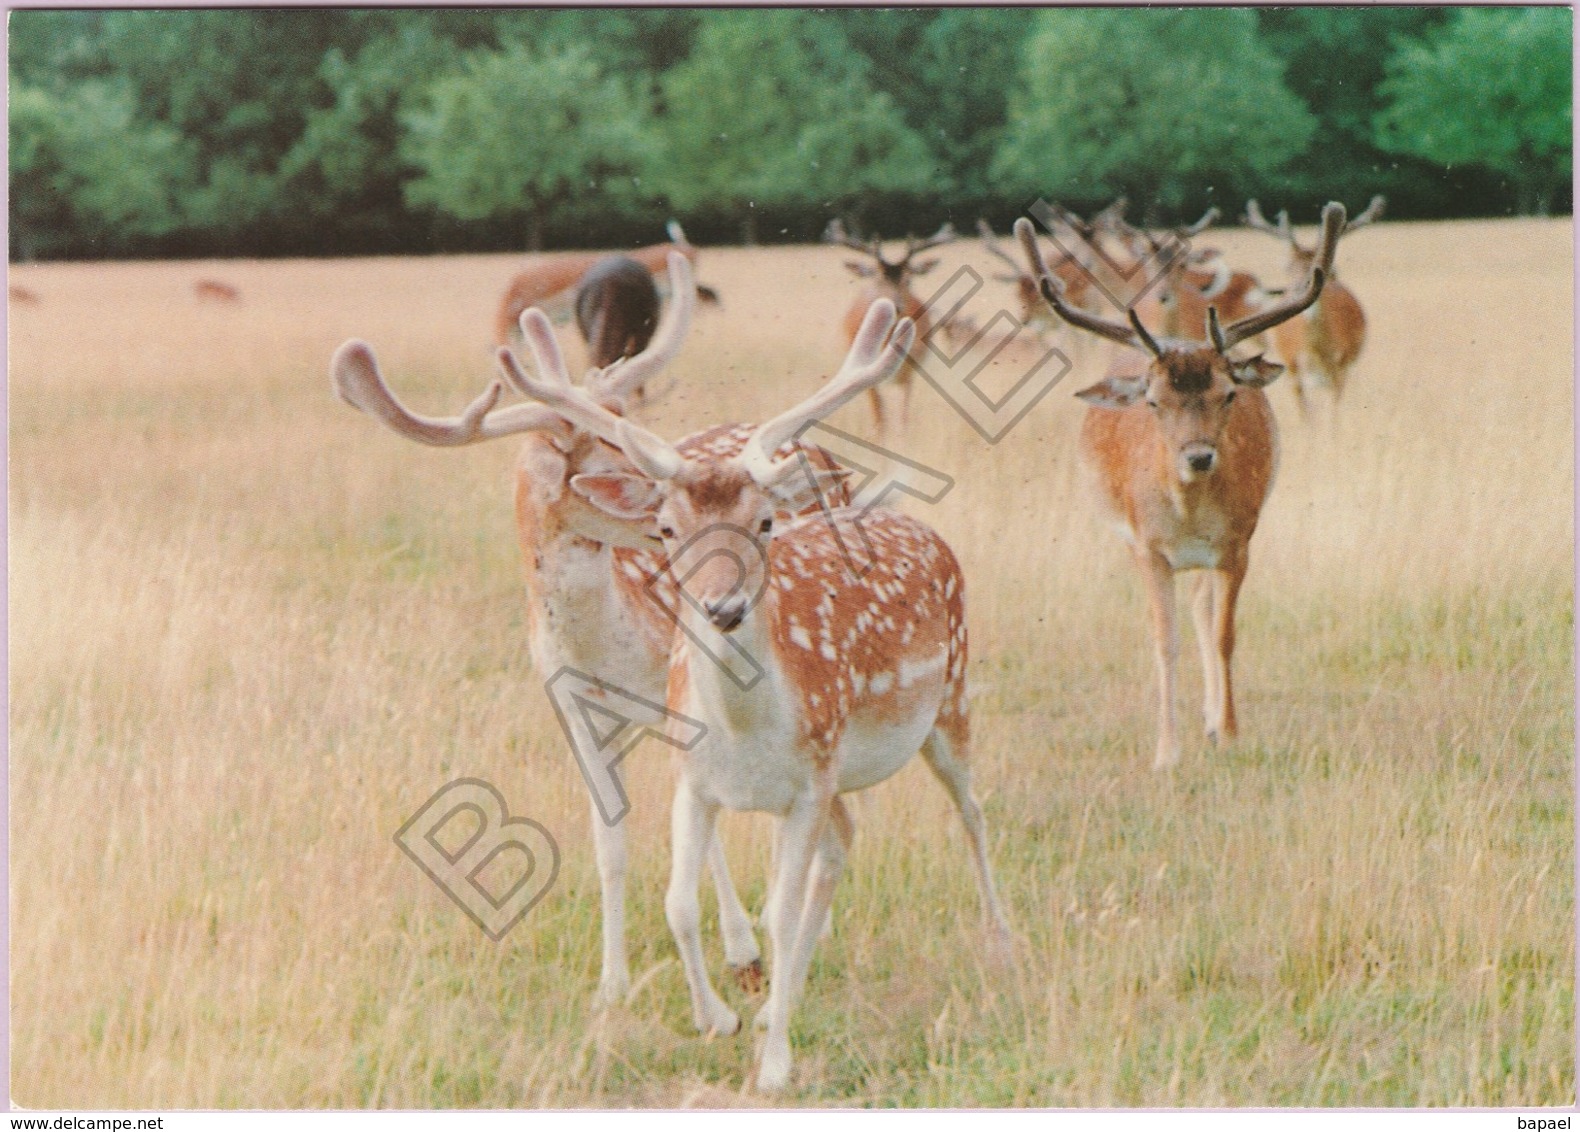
[(357, 131)]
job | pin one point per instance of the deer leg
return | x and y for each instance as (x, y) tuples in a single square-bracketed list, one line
[(827, 865), (877, 412), (609, 847), (691, 831), (740, 944), (954, 772), (1204, 595), (800, 832), (1227, 582), (1159, 577)]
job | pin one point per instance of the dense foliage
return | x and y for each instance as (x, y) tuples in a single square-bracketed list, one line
[(292, 131)]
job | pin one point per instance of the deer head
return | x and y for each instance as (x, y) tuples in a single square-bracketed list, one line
[(560, 445), (716, 517), (896, 273), (1189, 386), (1300, 257)]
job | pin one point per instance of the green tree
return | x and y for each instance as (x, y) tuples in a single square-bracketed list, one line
[(86, 173), (514, 133), (1337, 60), (775, 108), (1162, 104), (946, 69), (1493, 88)]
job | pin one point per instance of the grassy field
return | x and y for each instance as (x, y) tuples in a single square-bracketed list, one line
[(251, 632)]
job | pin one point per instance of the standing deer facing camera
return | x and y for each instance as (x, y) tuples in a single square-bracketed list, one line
[(1326, 343), (889, 280), (858, 672), (595, 601), (1183, 446)]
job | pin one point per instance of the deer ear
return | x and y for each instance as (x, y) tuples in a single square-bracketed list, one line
[(622, 496), (1115, 392), (861, 270), (1256, 373), (925, 266)]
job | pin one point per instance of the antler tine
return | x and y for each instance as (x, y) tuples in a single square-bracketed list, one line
[(1147, 341), (1215, 331), (1113, 215), (626, 376), (677, 234), (553, 388), (539, 337), (1255, 220), (650, 452), (991, 246), (1321, 268), (835, 234), (944, 235), (1209, 218), (874, 356), (1054, 297), (1086, 230), (1374, 211), (359, 384)]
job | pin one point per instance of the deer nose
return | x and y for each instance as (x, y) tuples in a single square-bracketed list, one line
[(727, 613), (1202, 462)]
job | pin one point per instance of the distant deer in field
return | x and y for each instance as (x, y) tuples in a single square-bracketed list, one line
[(1325, 343), (215, 291), (1074, 277), (550, 283), (616, 311), (859, 671), (1193, 278), (597, 596), (1183, 446), (891, 280), (21, 294)]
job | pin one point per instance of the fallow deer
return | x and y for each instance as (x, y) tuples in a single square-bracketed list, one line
[(550, 282), (597, 599), (616, 311), (215, 291), (859, 669), (1074, 278), (889, 280), (1193, 278), (1183, 447), (1325, 343)]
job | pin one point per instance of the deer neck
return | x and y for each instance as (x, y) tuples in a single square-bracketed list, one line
[(578, 613), (737, 680)]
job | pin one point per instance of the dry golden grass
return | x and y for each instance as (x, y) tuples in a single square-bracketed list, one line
[(251, 632)]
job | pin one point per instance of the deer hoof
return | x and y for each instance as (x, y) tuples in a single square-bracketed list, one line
[(723, 1023), (749, 976)]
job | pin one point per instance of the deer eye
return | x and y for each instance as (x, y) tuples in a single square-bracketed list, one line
[(666, 532), (765, 526), (1229, 397), (1151, 404)]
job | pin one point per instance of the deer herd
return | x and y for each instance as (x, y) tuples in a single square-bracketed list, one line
[(645, 556)]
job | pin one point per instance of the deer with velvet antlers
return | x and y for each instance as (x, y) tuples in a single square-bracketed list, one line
[(1183, 447), (860, 668), (597, 599)]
